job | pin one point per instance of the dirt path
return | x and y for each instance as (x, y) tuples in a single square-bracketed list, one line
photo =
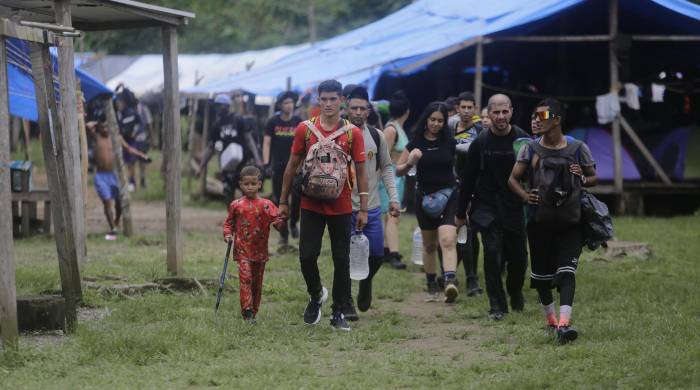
[(444, 334), (149, 217)]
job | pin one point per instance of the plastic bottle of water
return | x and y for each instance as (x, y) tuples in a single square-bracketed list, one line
[(359, 256), (462, 236), (417, 252)]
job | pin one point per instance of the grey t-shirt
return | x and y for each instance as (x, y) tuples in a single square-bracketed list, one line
[(385, 172)]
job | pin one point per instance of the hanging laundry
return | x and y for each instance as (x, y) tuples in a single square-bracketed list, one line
[(632, 96), (657, 93), (608, 107)]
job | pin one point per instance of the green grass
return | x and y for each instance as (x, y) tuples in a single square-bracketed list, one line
[(638, 322)]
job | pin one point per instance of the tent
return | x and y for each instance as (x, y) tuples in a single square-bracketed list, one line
[(426, 31), (601, 144), (144, 74), (21, 84)]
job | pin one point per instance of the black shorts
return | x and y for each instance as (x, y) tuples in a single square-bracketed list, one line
[(554, 252), (426, 222)]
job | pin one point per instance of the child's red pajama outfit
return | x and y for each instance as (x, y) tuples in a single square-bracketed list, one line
[(249, 222)]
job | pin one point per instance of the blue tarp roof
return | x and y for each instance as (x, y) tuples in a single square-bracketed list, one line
[(21, 84), (425, 28)]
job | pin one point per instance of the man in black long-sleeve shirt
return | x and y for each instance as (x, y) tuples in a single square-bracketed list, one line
[(495, 211)]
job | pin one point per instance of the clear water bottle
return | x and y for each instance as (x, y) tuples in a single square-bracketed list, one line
[(462, 235), (359, 256), (417, 252)]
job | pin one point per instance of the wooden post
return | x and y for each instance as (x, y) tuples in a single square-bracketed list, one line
[(614, 87), (69, 118), (193, 106), (15, 129), (115, 136), (645, 152), (8, 293), (83, 151), (61, 189), (478, 74), (205, 140), (173, 150)]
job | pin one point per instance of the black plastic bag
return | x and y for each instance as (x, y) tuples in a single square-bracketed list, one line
[(597, 222)]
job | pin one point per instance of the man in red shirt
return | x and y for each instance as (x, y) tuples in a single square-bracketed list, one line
[(336, 213)]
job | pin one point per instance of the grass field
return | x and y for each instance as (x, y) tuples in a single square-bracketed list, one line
[(638, 323)]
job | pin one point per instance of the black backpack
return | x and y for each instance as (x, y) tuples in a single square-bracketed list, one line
[(597, 222), (559, 189)]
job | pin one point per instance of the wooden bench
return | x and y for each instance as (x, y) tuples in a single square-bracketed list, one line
[(24, 205)]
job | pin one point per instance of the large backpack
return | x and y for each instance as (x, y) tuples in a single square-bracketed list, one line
[(325, 169), (558, 188)]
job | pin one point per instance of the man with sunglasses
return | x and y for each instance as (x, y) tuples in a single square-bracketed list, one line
[(555, 243), (496, 212)]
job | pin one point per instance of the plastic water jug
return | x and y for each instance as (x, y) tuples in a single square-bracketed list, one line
[(462, 236), (359, 256), (417, 252)]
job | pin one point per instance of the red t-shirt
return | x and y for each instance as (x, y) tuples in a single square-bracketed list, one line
[(343, 204), (249, 222)]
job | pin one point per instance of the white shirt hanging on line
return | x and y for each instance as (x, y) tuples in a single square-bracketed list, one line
[(632, 96), (608, 107), (657, 93)]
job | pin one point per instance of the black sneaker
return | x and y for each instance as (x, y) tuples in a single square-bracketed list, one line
[(566, 334), (338, 321), (496, 315), (312, 314), (473, 288), (433, 292), (395, 261), (364, 296), (248, 316), (294, 231), (349, 311)]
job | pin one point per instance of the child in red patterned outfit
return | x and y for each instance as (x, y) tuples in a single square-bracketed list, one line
[(248, 225)]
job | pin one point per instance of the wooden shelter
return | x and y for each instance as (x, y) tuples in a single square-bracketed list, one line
[(47, 23)]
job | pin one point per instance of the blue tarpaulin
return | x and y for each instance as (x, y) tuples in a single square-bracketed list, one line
[(427, 30), (21, 84)]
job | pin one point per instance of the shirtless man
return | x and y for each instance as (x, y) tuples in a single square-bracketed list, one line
[(106, 183)]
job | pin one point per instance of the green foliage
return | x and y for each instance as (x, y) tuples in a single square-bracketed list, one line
[(228, 26)]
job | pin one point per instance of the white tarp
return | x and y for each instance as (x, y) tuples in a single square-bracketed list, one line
[(145, 74)]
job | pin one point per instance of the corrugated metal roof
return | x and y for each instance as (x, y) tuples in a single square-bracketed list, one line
[(96, 15)]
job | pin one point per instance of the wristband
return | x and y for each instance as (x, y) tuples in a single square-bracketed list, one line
[(364, 210), (364, 193)]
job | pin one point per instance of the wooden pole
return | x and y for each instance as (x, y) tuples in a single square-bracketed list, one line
[(205, 140), (645, 152), (173, 150), (69, 118), (614, 87), (58, 162), (8, 293), (115, 136), (83, 150), (193, 106), (478, 74), (15, 129)]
